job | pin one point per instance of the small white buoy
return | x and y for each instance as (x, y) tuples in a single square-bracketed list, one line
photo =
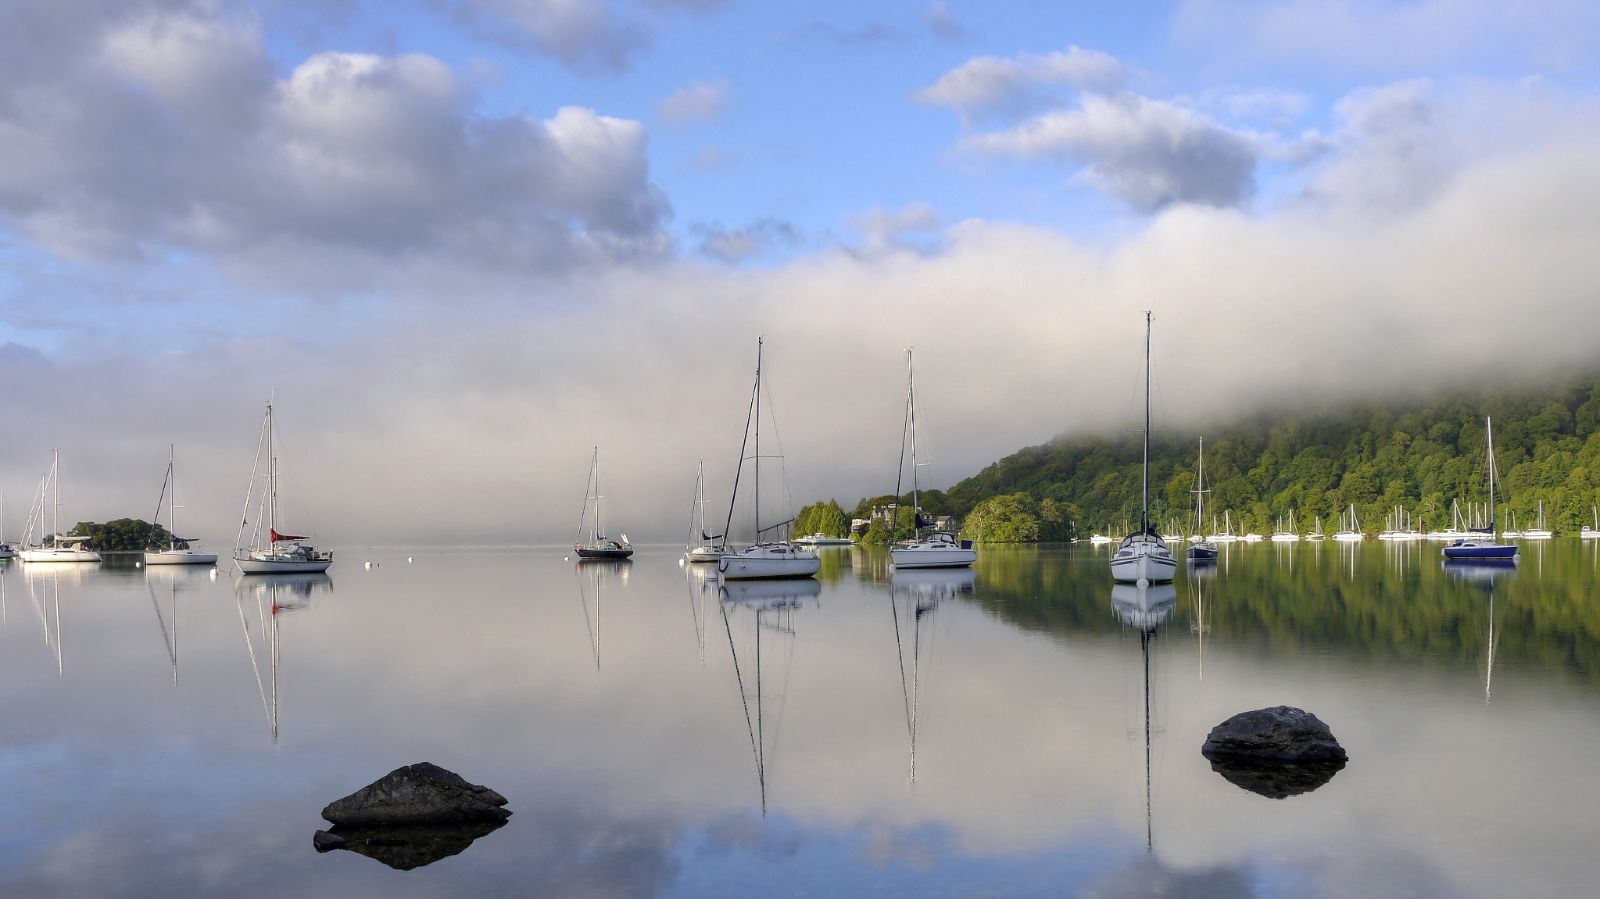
[(566, 558), (680, 563), (408, 560), (1143, 583), (213, 574), (138, 564), (369, 565)]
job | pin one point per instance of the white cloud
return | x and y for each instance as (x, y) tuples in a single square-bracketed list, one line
[(994, 84), (173, 134), (698, 102), (908, 228), (1147, 152), (586, 36)]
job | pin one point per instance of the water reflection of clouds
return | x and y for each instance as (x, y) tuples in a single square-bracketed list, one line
[(1022, 746)]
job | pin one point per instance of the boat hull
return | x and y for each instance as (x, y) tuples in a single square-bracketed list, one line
[(282, 566), (765, 562), (1142, 564), (702, 554), (604, 554), (951, 557), (179, 557), (1479, 550), (60, 555), (1202, 553)]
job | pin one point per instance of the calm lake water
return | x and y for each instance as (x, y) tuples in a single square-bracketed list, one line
[(967, 733)]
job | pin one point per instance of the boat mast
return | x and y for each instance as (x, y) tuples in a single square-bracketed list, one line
[(1488, 425), (911, 403), (272, 483), (55, 514), (595, 466), (1200, 490), (759, 342), (172, 501), (1144, 515)]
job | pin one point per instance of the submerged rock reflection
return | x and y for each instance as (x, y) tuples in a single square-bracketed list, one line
[(1276, 781), (404, 847)]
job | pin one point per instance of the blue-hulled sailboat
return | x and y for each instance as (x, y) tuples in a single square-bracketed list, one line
[(1480, 544)]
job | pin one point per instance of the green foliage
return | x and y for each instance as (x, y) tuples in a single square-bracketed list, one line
[(826, 518), (1012, 518), (879, 531), (1422, 455), (123, 534)]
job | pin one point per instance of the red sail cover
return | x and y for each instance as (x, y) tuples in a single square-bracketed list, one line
[(276, 537)]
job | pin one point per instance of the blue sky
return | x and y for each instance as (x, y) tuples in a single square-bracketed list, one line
[(527, 226)]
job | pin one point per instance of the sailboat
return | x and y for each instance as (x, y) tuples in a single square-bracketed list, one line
[(1286, 535), (60, 548), (927, 548), (763, 559), (274, 552), (7, 551), (1226, 535), (1205, 550), (1316, 530), (1349, 531), (179, 551), (702, 547), (1592, 533), (599, 546), (1540, 532), (1482, 544), (1143, 557)]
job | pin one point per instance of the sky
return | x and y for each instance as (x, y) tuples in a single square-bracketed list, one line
[(462, 242)]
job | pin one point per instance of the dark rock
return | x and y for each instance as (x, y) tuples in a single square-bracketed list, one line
[(1276, 780), (418, 794), (404, 847), (1281, 734)]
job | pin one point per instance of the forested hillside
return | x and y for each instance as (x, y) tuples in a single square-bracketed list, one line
[(1421, 454)]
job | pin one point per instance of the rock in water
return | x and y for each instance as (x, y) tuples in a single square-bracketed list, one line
[(1281, 734), (423, 793)]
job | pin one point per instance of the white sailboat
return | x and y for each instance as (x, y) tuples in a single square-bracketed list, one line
[(1143, 557), (180, 551), (273, 552), (599, 546), (762, 559), (1540, 532), (54, 547), (1316, 530), (1286, 535), (927, 548), (1349, 531), (702, 547), (1588, 532)]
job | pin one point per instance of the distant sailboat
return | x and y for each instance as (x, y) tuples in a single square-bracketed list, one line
[(928, 547), (599, 546), (55, 546), (1349, 531), (273, 552), (1286, 535), (1204, 550), (1316, 530), (703, 547), (1588, 532), (7, 551), (1143, 557), (179, 551), (1482, 544), (1540, 532), (762, 559)]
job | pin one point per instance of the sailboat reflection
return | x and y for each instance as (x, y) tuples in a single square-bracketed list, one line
[(168, 576), (44, 593), (914, 594), (772, 604), (1200, 624), (273, 595), (1145, 609), (701, 585), (1484, 573), (596, 573)]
